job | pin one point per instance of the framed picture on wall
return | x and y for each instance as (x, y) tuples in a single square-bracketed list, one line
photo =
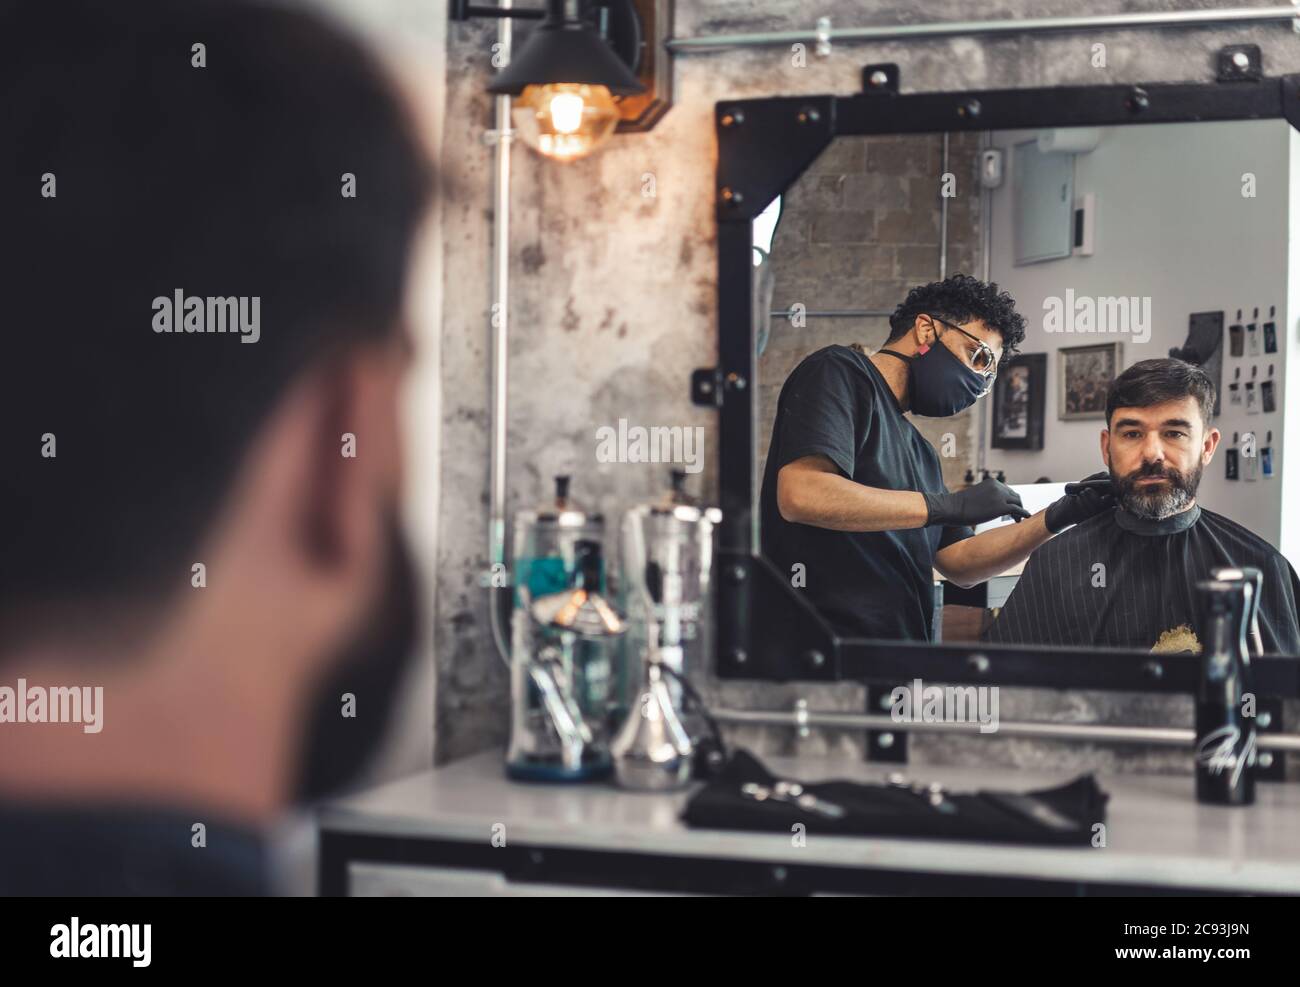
[(1018, 398), (1085, 377)]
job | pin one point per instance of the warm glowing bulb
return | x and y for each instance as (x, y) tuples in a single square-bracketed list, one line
[(565, 120), (566, 112)]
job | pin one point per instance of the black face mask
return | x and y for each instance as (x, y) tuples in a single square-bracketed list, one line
[(371, 667), (941, 385)]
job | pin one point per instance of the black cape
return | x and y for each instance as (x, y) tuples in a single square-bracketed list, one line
[(1123, 582)]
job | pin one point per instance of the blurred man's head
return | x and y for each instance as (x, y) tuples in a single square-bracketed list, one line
[(224, 503), (1158, 438)]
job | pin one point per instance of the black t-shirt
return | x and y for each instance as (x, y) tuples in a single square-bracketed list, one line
[(876, 584), (1123, 582)]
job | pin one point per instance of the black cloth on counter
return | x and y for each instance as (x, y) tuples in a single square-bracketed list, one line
[(876, 584), (1059, 816), (1148, 600)]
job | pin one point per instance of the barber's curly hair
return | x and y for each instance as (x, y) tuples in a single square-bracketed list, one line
[(962, 298)]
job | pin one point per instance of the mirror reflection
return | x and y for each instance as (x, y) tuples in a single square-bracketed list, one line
[(1027, 387)]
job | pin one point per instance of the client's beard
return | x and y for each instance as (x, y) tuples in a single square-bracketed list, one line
[(1155, 503), (370, 666)]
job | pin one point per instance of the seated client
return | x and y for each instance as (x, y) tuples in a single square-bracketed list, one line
[(1127, 577)]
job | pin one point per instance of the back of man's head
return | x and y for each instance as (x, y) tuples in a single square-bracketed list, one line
[(155, 153)]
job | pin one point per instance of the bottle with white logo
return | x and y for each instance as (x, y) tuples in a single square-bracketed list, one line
[(1225, 736)]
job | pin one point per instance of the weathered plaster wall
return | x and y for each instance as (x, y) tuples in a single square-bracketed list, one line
[(613, 305)]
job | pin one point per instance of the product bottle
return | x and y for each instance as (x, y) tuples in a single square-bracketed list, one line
[(1225, 737), (1249, 456)]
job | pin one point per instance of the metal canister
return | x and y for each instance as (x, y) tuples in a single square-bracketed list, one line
[(560, 677)]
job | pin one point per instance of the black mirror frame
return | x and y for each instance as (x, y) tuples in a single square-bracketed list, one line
[(765, 629)]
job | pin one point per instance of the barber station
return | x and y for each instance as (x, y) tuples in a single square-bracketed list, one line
[(651, 449), (997, 595)]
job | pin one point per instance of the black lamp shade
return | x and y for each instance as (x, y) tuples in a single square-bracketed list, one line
[(566, 51)]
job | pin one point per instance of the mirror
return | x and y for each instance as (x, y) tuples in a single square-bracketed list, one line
[(1111, 246)]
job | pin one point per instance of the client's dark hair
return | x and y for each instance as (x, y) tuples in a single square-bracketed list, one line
[(222, 179), (962, 298), (1151, 382)]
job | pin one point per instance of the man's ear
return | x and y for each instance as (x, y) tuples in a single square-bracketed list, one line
[(1212, 437), (925, 330), (338, 516), (1105, 447)]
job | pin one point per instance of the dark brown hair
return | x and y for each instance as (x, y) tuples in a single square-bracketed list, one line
[(1155, 381), (218, 180)]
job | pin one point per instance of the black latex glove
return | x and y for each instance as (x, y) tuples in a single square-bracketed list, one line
[(985, 501), (1082, 500)]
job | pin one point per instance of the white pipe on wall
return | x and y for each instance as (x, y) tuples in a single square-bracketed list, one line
[(1025, 25), (499, 324)]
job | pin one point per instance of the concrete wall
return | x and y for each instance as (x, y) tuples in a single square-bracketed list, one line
[(614, 304)]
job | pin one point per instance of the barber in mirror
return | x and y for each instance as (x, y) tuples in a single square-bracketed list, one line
[(854, 505)]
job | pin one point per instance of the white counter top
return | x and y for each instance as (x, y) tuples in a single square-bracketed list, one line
[(1157, 833)]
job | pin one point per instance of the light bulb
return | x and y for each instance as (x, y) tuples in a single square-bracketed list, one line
[(566, 112), (565, 120)]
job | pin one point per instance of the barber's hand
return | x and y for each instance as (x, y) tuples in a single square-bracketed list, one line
[(985, 501), (1082, 500)]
